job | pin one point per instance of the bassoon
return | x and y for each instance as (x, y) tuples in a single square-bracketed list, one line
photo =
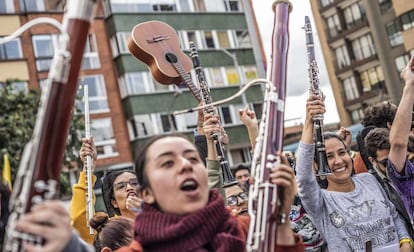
[(265, 198), (37, 178), (228, 178), (313, 71)]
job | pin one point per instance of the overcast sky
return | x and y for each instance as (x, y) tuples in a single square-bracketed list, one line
[(297, 77)]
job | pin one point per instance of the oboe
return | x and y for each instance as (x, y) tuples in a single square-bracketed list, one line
[(38, 174), (323, 168), (265, 198), (89, 203), (228, 178)]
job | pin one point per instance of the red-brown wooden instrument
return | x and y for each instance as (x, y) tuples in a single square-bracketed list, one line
[(39, 171), (265, 198)]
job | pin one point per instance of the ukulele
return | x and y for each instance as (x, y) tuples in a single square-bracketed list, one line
[(156, 44)]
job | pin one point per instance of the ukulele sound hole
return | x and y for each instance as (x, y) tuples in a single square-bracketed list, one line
[(171, 58)]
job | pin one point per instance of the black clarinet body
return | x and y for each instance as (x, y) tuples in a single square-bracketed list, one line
[(323, 167), (228, 178), (38, 175)]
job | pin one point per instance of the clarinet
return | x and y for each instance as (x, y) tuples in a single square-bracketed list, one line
[(38, 174), (228, 178), (265, 199), (322, 161)]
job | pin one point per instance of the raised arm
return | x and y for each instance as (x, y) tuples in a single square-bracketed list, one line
[(401, 126), (309, 189), (78, 201), (249, 119)]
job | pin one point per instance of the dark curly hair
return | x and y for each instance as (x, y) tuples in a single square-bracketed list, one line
[(108, 190), (377, 139), (379, 114), (113, 232)]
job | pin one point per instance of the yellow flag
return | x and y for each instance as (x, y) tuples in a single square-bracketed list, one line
[(7, 172)]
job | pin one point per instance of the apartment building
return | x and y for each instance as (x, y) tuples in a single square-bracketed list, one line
[(230, 52), (365, 44), (126, 104)]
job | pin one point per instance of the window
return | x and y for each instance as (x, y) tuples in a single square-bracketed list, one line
[(7, 6), (350, 88), (11, 50), (129, 6), (186, 121), (242, 39), (185, 6), (168, 123), (401, 61), (44, 48), (223, 39), (354, 14), (164, 7), (334, 25), (32, 6), (407, 20), (363, 47), (342, 57), (141, 126), (214, 5), (232, 5), (232, 76), (103, 136), (250, 73), (199, 5), (135, 83), (90, 56), (326, 2), (98, 102), (194, 36), (372, 78), (385, 5), (217, 78), (209, 40), (119, 43), (394, 34)]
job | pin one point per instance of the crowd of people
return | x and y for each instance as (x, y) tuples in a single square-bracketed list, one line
[(176, 199)]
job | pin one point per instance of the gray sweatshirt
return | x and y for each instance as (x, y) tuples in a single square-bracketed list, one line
[(348, 220)]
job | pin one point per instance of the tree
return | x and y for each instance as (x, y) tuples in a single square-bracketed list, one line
[(18, 112)]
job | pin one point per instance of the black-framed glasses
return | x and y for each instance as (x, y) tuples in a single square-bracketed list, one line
[(233, 200), (123, 185), (383, 162)]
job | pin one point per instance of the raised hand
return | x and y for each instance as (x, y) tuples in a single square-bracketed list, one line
[(88, 149), (49, 220)]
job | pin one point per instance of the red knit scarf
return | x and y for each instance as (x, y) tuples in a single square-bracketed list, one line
[(209, 229)]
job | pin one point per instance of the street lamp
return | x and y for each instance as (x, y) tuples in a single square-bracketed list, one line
[(239, 71)]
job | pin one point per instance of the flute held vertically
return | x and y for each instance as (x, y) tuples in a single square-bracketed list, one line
[(89, 203), (321, 160), (38, 174), (265, 198)]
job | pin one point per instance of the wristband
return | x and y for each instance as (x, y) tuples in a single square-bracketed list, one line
[(406, 240)]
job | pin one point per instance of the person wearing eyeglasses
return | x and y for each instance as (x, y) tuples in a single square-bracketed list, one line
[(119, 188), (237, 200)]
